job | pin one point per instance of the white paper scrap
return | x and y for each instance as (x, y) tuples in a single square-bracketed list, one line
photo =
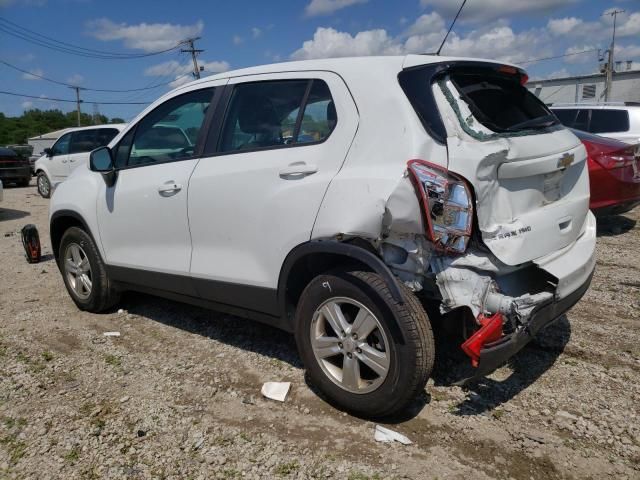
[(383, 434), (276, 390), (111, 334)]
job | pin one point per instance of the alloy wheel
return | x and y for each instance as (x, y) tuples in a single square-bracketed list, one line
[(350, 345), (78, 270)]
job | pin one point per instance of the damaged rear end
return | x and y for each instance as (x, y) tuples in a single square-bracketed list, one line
[(502, 229)]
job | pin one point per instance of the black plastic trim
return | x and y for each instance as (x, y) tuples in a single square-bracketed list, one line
[(335, 248)]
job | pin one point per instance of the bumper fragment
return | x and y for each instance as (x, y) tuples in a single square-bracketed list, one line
[(493, 355)]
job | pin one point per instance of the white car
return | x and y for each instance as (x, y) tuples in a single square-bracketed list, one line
[(618, 120), (335, 199), (70, 151)]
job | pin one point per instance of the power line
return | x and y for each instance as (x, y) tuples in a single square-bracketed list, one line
[(557, 56), (36, 38), (87, 88), (15, 94)]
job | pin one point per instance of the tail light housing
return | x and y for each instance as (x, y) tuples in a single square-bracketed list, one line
[(615, 159), (447, 205)]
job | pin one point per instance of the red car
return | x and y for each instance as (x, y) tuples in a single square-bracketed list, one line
[(614, 174)]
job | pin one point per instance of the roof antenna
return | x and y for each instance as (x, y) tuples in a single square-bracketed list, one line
[(451, 26)]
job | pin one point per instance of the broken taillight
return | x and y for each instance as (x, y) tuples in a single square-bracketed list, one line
[(447, 204), (490, 331)]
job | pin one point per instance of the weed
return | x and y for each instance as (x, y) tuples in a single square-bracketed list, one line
[(47, 356), (72, 455), (497, 414), (287, 468), (113, 360)]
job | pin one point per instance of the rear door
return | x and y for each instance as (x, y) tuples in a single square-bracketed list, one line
[(255, 196), (528, 172)]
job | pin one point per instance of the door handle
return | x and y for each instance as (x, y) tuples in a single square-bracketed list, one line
[(71, 160), (169, 188), (64, 161), (298, 170)]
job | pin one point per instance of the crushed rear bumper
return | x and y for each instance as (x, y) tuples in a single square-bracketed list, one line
[(495, 354)]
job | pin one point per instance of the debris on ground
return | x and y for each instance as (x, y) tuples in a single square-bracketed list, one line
[(111, 334), (386, 435), (276, 390)]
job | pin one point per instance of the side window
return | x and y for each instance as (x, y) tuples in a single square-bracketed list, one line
[(582, 120), (61, 147), (609, 121), (566, 116), (83, 141), (168, 133), (263, 115), (104, 136), (319, 118)]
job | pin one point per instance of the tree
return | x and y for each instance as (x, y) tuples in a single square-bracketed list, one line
[(16, 130)]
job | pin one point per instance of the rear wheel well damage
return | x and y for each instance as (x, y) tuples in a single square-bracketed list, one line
[(309, 260)]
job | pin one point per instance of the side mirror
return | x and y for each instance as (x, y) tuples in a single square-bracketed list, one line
[(100, 160), (48, 152)]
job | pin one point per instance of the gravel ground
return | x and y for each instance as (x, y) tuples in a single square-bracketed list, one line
[(177, 395)]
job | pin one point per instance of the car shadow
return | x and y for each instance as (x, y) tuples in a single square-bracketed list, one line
[(485, 394), (613, 225), (234, 331), (10, 214)]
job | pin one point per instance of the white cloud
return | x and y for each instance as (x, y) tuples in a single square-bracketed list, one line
[(35, 71), (628, 52), (629, 26), (327, 7), (144, 36), (256, 32), (27, 105), (328, 42), (424, 35), (237, 40), (563, 26), (181, 73), (481, 11), (75, 79)]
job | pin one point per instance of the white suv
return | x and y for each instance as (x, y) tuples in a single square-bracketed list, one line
[(71, 150), (336, 199), (619, 120)]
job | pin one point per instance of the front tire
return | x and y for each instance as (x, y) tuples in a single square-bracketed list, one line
[(84, 273), (44, 185), (366, 352)]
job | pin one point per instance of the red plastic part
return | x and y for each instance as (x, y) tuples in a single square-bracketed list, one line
[(490, 331)]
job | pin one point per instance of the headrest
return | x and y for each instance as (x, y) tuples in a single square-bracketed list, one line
[(257, 115)]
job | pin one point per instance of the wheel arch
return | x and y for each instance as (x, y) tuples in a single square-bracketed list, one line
[(311, 259), (60, 222)]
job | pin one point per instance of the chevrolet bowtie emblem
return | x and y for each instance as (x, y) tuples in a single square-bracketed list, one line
[(566, 160)]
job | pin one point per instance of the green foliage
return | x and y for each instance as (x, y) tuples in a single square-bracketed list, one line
[(16, 130)]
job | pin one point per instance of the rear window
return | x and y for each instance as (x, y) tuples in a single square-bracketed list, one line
[(500, 103), (497, 100), (609, 121)]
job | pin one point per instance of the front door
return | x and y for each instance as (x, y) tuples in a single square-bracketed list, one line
[(142, 218), (255, 195), (58, 162)]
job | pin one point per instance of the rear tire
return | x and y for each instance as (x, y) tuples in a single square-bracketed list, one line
[(44, 185), (394, 360), (84, 272)]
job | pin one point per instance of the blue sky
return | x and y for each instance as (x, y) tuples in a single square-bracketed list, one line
[(243, 33)]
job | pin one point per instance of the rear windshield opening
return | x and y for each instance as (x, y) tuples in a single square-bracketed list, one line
[(500, 103)]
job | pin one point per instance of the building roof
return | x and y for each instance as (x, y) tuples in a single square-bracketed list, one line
[(591, 76)]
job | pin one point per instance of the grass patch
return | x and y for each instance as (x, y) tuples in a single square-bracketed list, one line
[(231, 473), (113, 360), (288, 468), (72, 455), (497, 414), (47, 356), (362, 476), (15, 448)]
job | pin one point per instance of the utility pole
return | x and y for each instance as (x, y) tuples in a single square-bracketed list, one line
[(610, 63), (78, 101), (193, 51)]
